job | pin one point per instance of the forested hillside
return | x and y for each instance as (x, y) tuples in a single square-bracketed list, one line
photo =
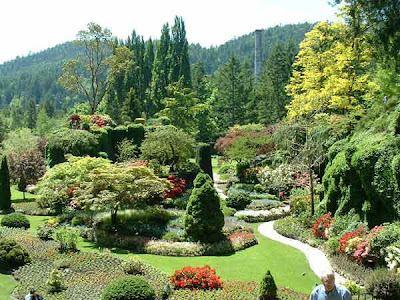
[(35, 76)]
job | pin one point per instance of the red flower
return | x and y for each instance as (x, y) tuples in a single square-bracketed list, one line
[(321, 225), (196, 278)]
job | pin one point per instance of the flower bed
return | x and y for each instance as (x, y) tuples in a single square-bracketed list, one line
[(254, 216), (234, 290), (203, 278)]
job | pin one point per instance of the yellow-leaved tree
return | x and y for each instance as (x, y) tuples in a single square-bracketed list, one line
[(331, 72)]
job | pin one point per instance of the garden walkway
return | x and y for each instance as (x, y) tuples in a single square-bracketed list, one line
[(316, 258)]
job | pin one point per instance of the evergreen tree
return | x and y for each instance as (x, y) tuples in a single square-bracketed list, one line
[(179, 54), (271, 93), (5, 192), (232, 95), (16, 113), (160, 72), (268, 289), (204, 219), (199, 81), (31, 115)]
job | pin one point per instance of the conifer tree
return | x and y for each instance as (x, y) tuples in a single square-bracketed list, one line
[(179, 54), (268, 289), (160, 72), (5, 192), (31, 115), (204, 219), (232, 95)]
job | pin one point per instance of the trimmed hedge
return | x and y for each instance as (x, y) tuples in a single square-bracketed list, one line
[(129, 288), (15, 220)]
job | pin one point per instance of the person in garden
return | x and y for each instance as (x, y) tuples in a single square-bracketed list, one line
[(33, 295), (328, 290)]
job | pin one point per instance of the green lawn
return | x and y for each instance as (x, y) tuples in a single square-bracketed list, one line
[(7, 285), (285, 263), (17, 196)]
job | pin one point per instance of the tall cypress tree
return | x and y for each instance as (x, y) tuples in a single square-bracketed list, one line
[(31, 114), (5, 192), (160, 72), (179, 54)]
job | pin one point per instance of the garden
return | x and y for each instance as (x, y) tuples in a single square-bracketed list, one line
[(150, 216), (157, 191)]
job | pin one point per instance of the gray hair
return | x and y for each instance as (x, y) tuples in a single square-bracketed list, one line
[(327, 273)]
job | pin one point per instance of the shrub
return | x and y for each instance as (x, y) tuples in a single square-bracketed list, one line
[(352, 286), (383, 284), (361, 231), (133, 266), (177, 187), (129, 288), (254, 216), (16, 220), (188, 170), (75, 142), (268, 289), (5, 192), (293, 228), (348, 222), (68, 238), (196, 278), (12, 255), (46, 231), (203, 158), (238, 200), (321, 226), (389, 234), (55, 281), (204, 219)]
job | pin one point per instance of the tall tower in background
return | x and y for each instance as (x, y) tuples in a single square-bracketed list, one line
[(257, 54)]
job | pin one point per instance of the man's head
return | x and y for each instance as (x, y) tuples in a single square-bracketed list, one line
[(328, 280), (33, 292)]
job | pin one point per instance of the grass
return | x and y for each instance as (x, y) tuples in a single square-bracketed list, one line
[(288, 265), (7, 285), (17, 196)]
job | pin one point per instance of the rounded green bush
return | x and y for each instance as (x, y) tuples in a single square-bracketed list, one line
[(12, 255), (129, 288), (16, 220), (238, 201)]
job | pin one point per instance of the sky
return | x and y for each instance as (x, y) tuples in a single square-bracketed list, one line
[(29, 26)]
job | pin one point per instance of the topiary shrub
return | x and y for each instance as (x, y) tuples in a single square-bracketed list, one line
[(16, 220), (12, 255), (383, 284), (129, 288), (5, 192), (268, 289), (203, 158), (204, 219), (238, 201)]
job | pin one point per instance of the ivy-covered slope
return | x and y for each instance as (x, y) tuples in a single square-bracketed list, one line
[(363, 171)]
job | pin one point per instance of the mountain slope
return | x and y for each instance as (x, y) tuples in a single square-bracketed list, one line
[(35, 76)]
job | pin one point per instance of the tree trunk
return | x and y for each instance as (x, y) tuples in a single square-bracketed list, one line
[(114, 219), (312, 191)]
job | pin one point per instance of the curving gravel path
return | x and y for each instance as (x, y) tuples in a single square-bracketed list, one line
[(316, 258)]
